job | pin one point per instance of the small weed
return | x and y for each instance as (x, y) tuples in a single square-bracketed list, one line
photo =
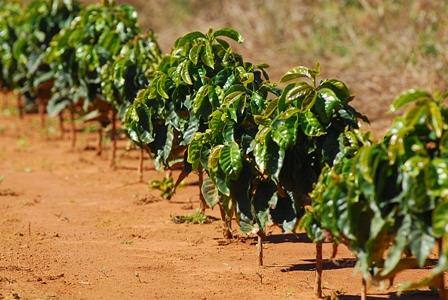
[(165, 186), (2, 178), (2, 129), (125, 242), (72, 201), (334, 295), (90, 128), (197, 218), (27, 170), (260, 275), (228, 265), (136, 274), (104, 271), (23, 144), (11, 220), (288, 295)]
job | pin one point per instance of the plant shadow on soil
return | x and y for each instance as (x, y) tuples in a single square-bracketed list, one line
[(411, 295), (288, 238)]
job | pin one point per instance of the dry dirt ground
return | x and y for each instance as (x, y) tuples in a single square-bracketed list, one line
[(72, 228)]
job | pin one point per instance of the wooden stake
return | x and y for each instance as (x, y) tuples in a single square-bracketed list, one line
[(41, 108), (443, 292), (113, 139), (73, 126), (261, 236), (364, 289), (99, 147), (318, 281), (140, 167), (19, 105), (203, 204), (61, 123)]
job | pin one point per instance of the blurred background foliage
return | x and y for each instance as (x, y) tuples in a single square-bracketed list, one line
[(377, 47)]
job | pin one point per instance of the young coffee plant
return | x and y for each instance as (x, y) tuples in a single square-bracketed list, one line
[(78, 53), (386, 200), (190, 83), (131, 71), (38, 23), (9, 14)]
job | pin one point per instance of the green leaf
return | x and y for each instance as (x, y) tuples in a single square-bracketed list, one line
[(421, 245), (396, 250), (436, 177), (195, 53), (188, 38), (230, 160), (440, 219), (408, 96), (311, 125), (298, 72), (207, 56), (185, 73), (230, 33), (210, 192), (435, 119), (337, 87), (199, 98), (285, 135), (194, 151)]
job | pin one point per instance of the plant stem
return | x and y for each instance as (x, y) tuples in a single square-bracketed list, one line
[(318, 281), (226, 233)]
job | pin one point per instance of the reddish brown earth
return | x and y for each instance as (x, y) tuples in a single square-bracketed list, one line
[(72, 228)]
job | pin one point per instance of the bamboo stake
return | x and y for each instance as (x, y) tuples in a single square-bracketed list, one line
[(318, 280)]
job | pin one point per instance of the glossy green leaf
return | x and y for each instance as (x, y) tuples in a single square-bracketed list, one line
[(408, 96), (189, 38), (207, 56), (436, 177), (298, 72), (230, 33), (421, 245), (435, 119), (310, 124), (209, 192), (230, 160), (440, 219), (195, 53), (199, 98)]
